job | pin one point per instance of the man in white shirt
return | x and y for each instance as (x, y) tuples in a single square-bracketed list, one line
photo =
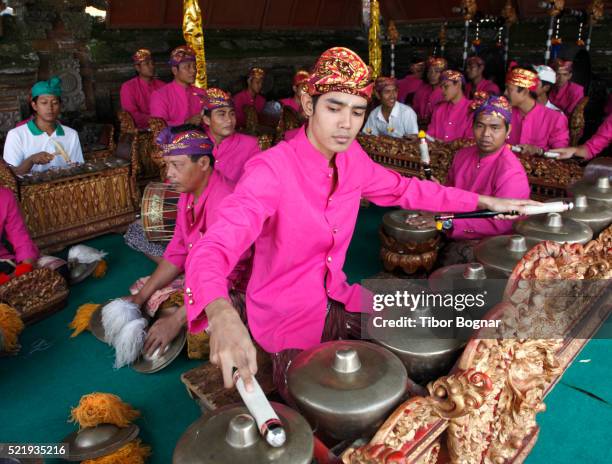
[(547, 77), (43, 143), (390, 117)]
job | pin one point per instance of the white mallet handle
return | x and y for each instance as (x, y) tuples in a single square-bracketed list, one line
[(270, 426), (553, 207)]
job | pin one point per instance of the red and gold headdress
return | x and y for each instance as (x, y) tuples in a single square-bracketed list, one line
[(216, 98), (256, 72), (381, 82), (182, 54), (497, 106), (563, 65), (522, 78), (141, 55), (437, 62), (475, 60), (452, 76), (300, 77), (340, 70)]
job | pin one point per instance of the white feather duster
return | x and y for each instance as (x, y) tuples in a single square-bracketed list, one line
[(116, 315), (85, 254), (129, 343)]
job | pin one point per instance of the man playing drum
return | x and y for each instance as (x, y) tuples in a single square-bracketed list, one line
[(190, 160), (298, 203)]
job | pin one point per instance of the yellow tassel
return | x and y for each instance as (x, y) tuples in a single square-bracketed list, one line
[(11, 326), (103, 408), (100, 270), (132, 453), (82, 317)]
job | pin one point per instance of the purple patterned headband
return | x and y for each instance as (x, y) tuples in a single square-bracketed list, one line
[(192, 142)]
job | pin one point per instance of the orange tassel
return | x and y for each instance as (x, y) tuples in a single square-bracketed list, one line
[(103, 408), (11, 326), (82, 317), (100, 270), (132, 453)]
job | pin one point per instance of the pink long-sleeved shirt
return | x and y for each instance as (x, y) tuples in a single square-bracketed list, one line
[(408, 86), (499, 174), (13, 228), (425, 100), (567, 97), (175, 104), (135, 97), (484, 85), (193, 219), (232, 154), (301, 223), (245, 98), (451, 121), (600, 139), (542, 127)]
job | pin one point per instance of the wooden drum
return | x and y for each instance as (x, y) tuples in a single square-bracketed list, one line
[(159, 206)]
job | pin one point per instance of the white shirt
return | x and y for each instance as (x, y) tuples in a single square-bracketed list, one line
[(27, 140), (551, 106), (402, 121)]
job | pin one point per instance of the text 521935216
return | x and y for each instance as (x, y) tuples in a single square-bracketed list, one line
[(33, 450)]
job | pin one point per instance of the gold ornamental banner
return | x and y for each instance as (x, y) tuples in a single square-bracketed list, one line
[(374, 39), (193, 32)]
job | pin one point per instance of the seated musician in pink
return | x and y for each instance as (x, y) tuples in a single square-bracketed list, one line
[(179, 102), (295, 102), (232, 149), (474, 71), (429, 94), (452, 118), (592, 147), (250, 96), (136, 93), (409, 84), (488, 168), (565, 94), (298, 203), (23, 255), (191, 170), (535, 128)]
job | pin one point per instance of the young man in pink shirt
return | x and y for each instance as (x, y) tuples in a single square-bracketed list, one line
[(565, 94), (592, 147), (250, 96), (488, 168), (232, 149), (429, 94), (190, 160), (136, 93), (452, 118), (408, 85), (295, 101), (298, 203), (535, 128), (179, 102), (474, 70)]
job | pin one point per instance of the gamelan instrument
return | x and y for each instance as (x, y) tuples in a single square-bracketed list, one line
[(159, 209)]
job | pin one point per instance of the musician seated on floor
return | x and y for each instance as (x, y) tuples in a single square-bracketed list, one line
[(188, 155), (488, 168), (43, 143), (390, 117), (535, 128), (451, 118), (23, 255), (251, 96), (298, 203), (294, 102)]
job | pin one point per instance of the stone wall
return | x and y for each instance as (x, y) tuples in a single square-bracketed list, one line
[(49, 37)]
